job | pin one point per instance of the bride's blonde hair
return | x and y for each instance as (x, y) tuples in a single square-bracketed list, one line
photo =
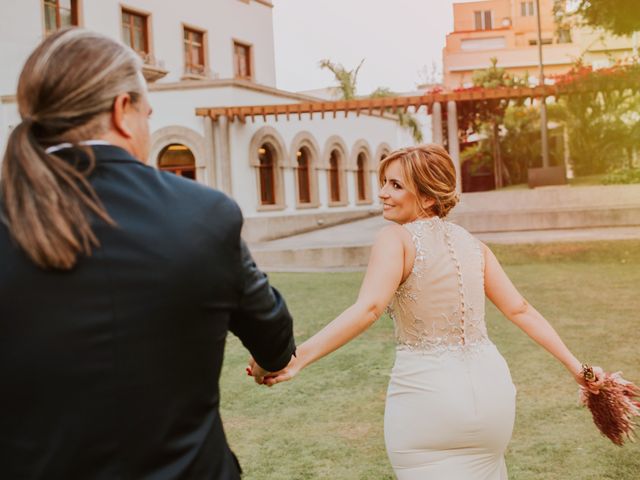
[(428, 171)]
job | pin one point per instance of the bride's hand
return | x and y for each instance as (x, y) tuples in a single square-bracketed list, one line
[(594, 385), (286, 374)]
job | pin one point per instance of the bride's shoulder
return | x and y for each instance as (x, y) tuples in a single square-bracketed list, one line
[(394, 233)]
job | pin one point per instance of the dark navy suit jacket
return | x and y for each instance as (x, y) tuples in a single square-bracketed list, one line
[(110, 370)]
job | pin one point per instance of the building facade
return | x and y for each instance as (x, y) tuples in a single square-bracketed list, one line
[(507, 30), (287, 174)]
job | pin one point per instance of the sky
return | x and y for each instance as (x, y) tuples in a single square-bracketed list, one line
[(400, 40)]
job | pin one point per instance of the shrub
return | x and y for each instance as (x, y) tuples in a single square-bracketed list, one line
[(622, 176)]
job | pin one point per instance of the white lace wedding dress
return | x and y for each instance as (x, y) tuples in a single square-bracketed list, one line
[(451, 403)]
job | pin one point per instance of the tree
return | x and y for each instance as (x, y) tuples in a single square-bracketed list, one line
[(601, 114), (346, 78), (620, 17), (521, 143), (347, 84), (405, 119), (491, 115)]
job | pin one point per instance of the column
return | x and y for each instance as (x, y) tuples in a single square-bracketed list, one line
[(289, 179), (222, 150), (323, 190), (352, 187), (209, 177), (436, 123), (454, 144)]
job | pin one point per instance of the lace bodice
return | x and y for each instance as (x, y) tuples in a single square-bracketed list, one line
[(440, 306)]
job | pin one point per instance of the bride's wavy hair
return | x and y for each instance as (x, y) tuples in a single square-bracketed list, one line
[(428, 171)]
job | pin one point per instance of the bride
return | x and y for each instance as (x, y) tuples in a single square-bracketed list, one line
[(450, 403)]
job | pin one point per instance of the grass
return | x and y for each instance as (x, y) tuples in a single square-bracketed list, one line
[(328, 422), (588, 180), (584, 181)]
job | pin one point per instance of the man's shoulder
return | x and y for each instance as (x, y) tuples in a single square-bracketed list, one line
[(200, 201), (166, 189), (199, 194)]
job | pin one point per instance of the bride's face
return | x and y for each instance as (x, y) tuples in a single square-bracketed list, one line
[(398, 204)]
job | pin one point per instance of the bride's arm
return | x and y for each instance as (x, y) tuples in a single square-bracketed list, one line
[(504, 295), (384, 273)]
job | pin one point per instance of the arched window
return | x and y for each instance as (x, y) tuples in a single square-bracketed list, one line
[(178, 159), (304, 187), (362, 176), (334, 176), (266, 158)]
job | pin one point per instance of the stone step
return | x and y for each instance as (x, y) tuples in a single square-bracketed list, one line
[(548, 219), (355, 257), (547, 214)]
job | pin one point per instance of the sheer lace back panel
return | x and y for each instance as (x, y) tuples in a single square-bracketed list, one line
[(440, 306)]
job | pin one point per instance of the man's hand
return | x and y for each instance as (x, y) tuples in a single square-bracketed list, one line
[(264, 377), (256, 371)]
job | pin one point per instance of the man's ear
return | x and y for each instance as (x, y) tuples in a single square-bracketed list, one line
[(119, 114)]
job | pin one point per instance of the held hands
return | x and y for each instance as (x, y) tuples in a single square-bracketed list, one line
[(256, 371), (263, 377)]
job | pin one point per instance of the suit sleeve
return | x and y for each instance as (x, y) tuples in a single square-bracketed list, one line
[(261, 320)]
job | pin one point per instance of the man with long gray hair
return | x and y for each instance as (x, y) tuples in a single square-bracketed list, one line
[(118, 284)]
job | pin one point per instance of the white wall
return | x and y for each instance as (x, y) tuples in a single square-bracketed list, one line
[(224, 20), (373, 129), (22, 27), (178, 106), (8, 119)]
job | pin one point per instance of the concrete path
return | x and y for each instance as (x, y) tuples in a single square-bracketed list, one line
[(346, 247), (362, 232)]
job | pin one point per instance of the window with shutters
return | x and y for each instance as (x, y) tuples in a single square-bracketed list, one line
[(242, 61), (267, 175), (195, 60), (334, 177), (483, 20), (59, 14), (304, 177), (362, 177), (135, 32)]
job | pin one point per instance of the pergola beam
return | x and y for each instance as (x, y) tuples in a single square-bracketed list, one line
[(381, 105)]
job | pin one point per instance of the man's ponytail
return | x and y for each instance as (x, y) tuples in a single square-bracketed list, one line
[(65, 92)]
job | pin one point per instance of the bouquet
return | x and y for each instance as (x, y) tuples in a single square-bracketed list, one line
[(613, 402)]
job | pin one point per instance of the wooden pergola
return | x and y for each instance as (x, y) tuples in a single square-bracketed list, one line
[(373, 106), (218, 119)]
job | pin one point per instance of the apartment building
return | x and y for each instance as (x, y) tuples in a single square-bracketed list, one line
[(286, 174), (507, 30)]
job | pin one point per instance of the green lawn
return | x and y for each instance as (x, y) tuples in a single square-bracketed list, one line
[(588, 180), (327, 423), (585, 181)]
